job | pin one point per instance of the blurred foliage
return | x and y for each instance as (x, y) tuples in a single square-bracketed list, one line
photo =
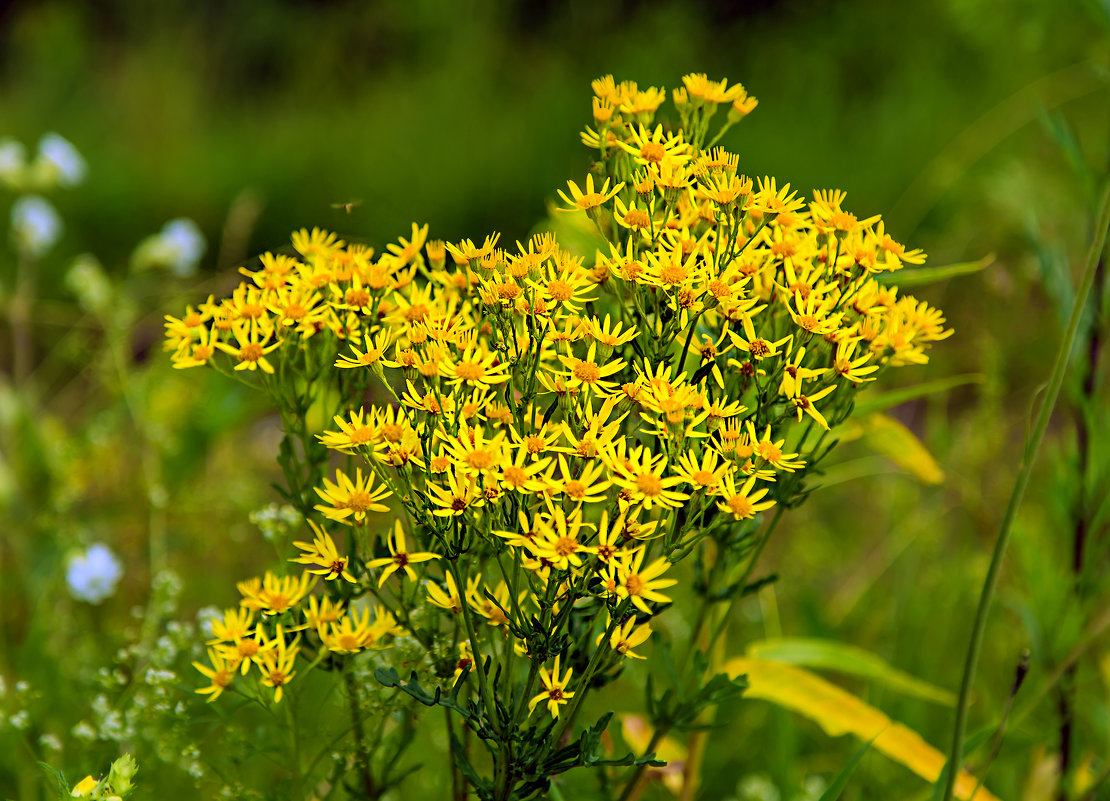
[(257, 118)]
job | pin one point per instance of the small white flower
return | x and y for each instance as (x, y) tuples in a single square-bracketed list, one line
[(35, 225), (206, 616), (64, 164), (92, 576)]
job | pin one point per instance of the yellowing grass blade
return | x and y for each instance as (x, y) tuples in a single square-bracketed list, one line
[(887, 436), (839, 712)]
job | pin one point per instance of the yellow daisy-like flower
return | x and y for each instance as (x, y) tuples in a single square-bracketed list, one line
[(742, 504), (641, 478), (793, 375), (276, 663), (355, 432), (322, 553), (321, 611), (372, 357), (276, 594), (461, 494), (852, 369), (351, 499), (705, 474), (480, 602), (589, 201), (770, 451), (466, 251), (352, 633), (642, 584), (628, 636), (197, 354), (608, 550), (769, 199), (234, 624), (804, 405), (318, 244), (400, 559), (476, 454), (252, 349), (814, 314), (588, 373), (475, 366), (219, 675), (559, 542), (409, 249), (582, 484), (554, 689), (523, 474), (758, 347), (652, 148)]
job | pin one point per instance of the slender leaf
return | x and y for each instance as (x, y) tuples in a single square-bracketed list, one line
[(845, 658), (833, 791), (886, 400), (924, 276)]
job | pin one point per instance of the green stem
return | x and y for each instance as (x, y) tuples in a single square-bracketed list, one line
[(656, 738), (601, 649), (720, 627), (362, 754), (978, 626)]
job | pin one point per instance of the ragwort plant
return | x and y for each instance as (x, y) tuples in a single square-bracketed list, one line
[(553, 433)]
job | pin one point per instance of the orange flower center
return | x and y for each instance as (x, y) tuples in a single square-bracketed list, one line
[(358, 502), (560, 290), (649, 484), (565, 546), (769, 452), (703, 477), (672, 274), (587, 372), (740, 506), (470, 371), (653, 152)]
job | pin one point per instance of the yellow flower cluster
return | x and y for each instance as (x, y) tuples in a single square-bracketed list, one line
[(570, 422), (240, 641)]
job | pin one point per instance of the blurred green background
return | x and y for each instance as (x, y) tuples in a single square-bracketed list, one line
[(255, 119)]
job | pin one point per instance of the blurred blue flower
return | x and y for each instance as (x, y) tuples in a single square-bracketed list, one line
[(178, 247), (92, 576), (64, 164), (36, 226)]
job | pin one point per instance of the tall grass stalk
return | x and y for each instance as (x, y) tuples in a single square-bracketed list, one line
[(1032, 445)]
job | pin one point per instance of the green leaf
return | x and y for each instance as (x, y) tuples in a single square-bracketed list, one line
[(61, 787), (886, 400), (844, 658), (924, 276), (832, 793)]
